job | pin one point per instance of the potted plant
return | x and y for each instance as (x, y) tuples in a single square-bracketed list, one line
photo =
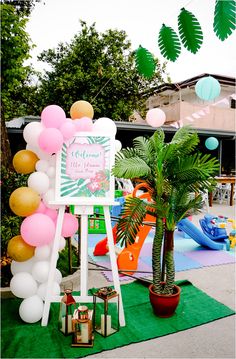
[(175, 174)]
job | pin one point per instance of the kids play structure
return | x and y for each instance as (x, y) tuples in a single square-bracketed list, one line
[(213, 236)]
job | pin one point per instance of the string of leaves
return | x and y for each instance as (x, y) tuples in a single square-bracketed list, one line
[(224, 18), (190, 33), (145, 62)]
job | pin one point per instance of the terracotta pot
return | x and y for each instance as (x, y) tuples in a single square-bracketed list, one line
[(164, 305)]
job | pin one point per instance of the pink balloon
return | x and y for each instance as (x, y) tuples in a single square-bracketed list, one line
[(38, 229), (53, 116), (83, 124), (70, 225), (41, 208), (155, 117), (50, 140), (67, 129), (52, 213)]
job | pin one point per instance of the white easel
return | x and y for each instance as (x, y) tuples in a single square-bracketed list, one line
[(83, 207)]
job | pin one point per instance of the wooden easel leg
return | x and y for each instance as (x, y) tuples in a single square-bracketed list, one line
[(53, 264), (114, 267)]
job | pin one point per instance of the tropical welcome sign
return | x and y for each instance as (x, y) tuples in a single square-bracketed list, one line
[(83, 171)]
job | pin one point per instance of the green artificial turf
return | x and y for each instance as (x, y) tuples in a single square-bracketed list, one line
[(22, 340)]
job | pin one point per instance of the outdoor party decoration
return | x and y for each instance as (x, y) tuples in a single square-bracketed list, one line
[(169, 43), (105, 125), (50, 140), (31, 309), (155, 117), (224, 18), (145, 62), (23, 285), (83, 124), (24, 201), (190, 31), (80, 109), (207, 88), (211, 143), (53, 116), (106, 314), (67, 308), (82, 327), (24, 161), (19, 250)]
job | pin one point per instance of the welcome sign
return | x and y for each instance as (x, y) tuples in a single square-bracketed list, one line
[(83, 170)]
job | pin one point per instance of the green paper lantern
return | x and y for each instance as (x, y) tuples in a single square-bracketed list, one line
[(207, 88), (211, 143)]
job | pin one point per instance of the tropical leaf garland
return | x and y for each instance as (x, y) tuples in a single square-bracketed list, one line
[(224, 18), (145, 63), (190, 31), (169, 43)]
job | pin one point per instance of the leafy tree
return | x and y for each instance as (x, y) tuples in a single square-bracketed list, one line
[(24, 7), (98, 68)]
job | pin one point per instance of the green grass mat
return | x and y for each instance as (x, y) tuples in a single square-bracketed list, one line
[(22, 340)]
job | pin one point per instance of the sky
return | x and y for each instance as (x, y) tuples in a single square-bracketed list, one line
[(54, 21)]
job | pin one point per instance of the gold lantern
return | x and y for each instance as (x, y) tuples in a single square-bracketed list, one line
[(67, 308), (106, 311), (82, 324)]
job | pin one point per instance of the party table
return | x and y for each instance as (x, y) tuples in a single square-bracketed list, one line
[(225, 179)]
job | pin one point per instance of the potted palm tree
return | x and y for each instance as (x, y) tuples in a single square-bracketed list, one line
[(174, 174)]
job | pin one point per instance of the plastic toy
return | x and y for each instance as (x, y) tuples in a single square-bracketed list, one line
[(232, 235), (214, 227)]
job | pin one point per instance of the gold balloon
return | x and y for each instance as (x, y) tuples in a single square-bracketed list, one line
[(81, 109), (19, 250), (24, 161), (24, 201)]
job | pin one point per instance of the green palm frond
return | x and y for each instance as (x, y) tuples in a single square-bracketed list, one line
[(141, 144), (169, 43), (130, 168), (132, 217), (224, 18), (157, 141), (145, 62), (190, 31)]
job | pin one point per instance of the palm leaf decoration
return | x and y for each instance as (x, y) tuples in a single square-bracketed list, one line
[(224, 18), (145, 62), (190, 31), (169, 43)]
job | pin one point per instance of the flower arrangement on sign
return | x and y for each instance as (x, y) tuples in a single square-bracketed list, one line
[(31, 249)]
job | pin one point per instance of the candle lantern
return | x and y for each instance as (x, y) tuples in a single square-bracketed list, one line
[(82, 325), (67, 308), (106, 311)]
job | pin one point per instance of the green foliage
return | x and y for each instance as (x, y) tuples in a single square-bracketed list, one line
[(98, 68), (224, 18), (22, 7), (173, 172), (169, 43), (145, 63), (190, 31), (15, 47), (63, 260)]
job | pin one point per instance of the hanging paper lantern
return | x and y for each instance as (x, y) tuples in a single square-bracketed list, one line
[(207, 88), (211, 143), (155, 117)]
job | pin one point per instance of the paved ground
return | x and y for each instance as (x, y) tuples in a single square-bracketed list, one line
[(212, 340)]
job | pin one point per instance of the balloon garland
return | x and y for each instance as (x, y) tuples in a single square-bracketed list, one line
[(31, 249)]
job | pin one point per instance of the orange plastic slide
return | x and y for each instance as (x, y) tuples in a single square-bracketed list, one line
[(128, 257)]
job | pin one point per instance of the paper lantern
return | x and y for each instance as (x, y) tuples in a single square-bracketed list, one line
[(207, 88), (155, 117), (211, 143)]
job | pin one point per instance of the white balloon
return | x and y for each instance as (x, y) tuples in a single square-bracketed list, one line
[(41, 292), (118, 145), (51, 172), (57, 276), (40, 271), (42, 252), (42, 165), (31, 133), (105, 125), (31, 309), (23, 285), (62, 243), (26, 266), (48, 197), (38, 181)]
